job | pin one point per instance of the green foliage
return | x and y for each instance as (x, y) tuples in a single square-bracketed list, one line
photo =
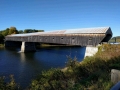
[(5, 32), (13, 30), (1, 38), (92, 73), (32, 30), (52, 79), (117, 39), (72, 63), (2, 83), (11, 85), (40, 30), (20, 31)]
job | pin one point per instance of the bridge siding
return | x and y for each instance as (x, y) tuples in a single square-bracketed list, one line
[(74, 39)]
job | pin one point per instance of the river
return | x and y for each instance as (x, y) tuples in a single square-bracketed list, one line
[(26, 66)]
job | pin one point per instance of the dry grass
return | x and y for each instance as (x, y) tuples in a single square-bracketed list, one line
[(1, 45)]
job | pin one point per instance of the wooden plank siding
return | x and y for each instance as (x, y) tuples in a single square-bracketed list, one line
[(82, 40)]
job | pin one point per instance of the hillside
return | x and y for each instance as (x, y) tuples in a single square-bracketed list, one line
[(112, 40)]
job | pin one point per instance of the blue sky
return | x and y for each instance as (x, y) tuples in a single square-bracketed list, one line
[(60, 14)]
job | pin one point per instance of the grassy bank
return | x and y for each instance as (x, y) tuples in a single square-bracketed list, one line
[(93, 73), (1, 45)]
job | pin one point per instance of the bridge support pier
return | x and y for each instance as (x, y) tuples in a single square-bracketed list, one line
[(28, 46), (90, 51)]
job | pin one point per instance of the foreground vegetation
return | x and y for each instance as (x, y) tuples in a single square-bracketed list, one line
[(1, 45), (93, 73)]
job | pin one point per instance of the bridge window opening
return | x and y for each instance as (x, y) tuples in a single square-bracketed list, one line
[(73, 38), (53, 38), (90, 39), (61, 38)]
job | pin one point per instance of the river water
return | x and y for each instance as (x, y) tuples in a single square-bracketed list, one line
[(26, 66)]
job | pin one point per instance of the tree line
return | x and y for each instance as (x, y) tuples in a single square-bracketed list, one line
[(13, 30)]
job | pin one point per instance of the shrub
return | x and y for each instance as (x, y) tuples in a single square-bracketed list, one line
[(11, 85)]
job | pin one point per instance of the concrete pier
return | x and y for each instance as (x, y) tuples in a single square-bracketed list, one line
[(115, 76), (90, 51), (28, 46), (115, 79)]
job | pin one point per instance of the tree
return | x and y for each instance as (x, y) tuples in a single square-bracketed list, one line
[(32, 30), (26, 31), (40, 30), (1, 38), (20, 31), (5, 32), (13, 30)]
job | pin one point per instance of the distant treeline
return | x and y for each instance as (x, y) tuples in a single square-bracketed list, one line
[(13, 30), (115, 39)]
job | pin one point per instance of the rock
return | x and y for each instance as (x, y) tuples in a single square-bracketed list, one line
[(115, 76)]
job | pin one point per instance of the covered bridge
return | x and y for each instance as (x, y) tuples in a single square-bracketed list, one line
[(79, 37)]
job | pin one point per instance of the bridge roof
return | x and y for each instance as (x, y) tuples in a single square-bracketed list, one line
[(88, 30), (98, 30)]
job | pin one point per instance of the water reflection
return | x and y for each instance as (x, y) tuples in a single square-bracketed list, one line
[(22, 57)]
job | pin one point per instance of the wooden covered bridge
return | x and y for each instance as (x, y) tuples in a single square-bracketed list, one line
[(79, 37)]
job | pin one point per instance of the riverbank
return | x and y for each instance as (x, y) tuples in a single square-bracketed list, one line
[(93, 73), (52, 45), (1, 45)]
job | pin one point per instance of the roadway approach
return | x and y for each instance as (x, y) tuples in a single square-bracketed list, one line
[(83, 37)]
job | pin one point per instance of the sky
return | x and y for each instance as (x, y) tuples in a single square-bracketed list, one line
[(51, 15)]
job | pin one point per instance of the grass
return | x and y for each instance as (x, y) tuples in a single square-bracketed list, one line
[(1, 45)]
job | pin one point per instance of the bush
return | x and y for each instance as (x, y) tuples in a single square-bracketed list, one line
[(11, 85)]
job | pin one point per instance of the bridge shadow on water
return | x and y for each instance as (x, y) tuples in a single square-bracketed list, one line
[(58, 54)]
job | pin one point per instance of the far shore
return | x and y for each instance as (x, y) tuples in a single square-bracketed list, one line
[(1, 45)]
